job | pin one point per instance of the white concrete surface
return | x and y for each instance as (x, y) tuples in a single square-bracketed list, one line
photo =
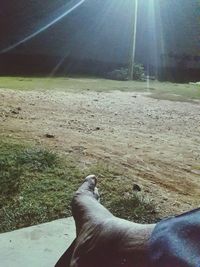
[(37, 246)]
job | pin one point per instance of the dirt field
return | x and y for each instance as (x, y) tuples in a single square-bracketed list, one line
[(155, 141)]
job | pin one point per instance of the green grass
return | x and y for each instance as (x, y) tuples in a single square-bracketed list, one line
[(37, 185), (63, 84), (117, 195), (176, 92), (158, 90)]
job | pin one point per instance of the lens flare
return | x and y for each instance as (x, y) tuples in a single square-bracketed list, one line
[(70, 7)]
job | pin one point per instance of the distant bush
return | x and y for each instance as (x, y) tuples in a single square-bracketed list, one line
[(122, 74), (118, 74), (138, 72)]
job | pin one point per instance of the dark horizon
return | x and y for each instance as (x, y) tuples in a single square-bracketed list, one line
[(100, 33)]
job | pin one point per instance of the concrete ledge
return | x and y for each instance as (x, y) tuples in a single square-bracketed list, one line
[(36, 246)]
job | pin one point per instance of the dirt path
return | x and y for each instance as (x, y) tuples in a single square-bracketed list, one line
[(155, 141)]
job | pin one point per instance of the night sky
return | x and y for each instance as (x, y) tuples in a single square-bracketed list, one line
[(93, 30), (100, 29)]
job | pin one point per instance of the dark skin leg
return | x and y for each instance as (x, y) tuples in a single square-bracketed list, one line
[(104, 240), (114, 241), (86, 207)]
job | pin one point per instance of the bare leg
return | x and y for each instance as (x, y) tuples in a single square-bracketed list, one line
[(85, 205), (103, 240)]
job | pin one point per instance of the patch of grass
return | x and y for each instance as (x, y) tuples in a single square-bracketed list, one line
[(75, 84), (117, 195), (37, 185), (135, 207), (69, 84), (36, 159), (158, 90), (10, 173), (177, 92)]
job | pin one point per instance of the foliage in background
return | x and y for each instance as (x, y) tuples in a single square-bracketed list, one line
[(122, 74), (119, 74), (37, 185), (138, 72)]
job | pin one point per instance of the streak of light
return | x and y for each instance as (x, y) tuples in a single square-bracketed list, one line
[(69, 7)]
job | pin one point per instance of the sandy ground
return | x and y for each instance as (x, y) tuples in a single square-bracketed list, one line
[(157, 142)]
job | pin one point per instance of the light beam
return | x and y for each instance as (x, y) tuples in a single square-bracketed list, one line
[(70, 7)]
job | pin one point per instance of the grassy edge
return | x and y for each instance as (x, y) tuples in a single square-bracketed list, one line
[(37, 186), (157, 90)]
